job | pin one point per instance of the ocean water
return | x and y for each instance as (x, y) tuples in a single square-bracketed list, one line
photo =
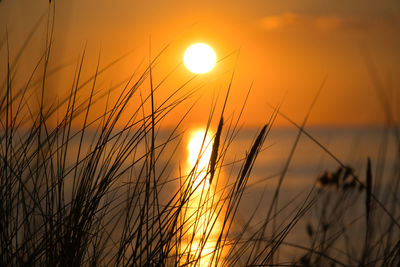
[(352, 146), (333, 207), (296, 165)]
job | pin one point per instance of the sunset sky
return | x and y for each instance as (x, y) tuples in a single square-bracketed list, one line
[(285, 48)]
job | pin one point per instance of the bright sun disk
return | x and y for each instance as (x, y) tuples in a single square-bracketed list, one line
[(199, 58)]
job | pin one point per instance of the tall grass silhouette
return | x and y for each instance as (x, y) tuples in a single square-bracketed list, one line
[(82, 191)]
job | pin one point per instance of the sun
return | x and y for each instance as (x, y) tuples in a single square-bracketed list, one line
[(199, 58)]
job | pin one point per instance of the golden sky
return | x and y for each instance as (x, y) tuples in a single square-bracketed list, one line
[(285, 48)]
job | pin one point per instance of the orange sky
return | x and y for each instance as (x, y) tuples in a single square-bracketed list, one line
[(287, 48)]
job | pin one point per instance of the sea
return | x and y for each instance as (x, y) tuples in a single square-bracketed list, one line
[(288, 172), (285, 187)]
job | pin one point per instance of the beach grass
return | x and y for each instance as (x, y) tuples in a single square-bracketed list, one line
[(80, 187)]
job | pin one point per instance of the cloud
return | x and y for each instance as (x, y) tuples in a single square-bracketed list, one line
[(324, 23)]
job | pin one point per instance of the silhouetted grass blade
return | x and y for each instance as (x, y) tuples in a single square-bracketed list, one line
[(215, 147), (368, 190), (252, 155)]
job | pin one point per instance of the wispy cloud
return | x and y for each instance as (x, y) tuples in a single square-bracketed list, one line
[(325, 23)]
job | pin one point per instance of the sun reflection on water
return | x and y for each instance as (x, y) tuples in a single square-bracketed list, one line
[(202, 227), (199, 151)]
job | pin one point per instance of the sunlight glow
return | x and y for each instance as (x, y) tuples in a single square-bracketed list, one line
[(201, 223), (199, 149), (199, 58)]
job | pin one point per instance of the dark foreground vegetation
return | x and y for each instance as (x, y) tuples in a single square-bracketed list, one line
[(78, 189)]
